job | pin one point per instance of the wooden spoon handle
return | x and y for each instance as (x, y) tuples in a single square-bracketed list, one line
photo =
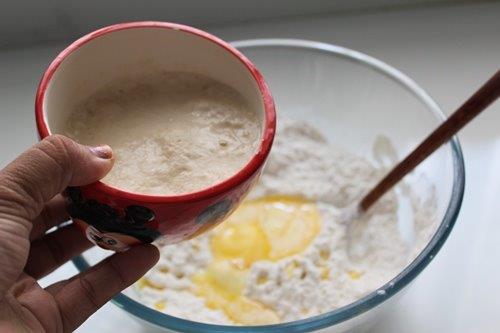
[(486, 95)]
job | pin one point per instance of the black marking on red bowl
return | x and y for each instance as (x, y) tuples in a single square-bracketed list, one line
[(106, 219)]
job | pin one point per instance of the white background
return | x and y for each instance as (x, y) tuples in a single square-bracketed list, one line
[(450, 51)]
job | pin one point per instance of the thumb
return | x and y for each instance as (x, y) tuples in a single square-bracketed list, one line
[(47, 169), (33, 179)]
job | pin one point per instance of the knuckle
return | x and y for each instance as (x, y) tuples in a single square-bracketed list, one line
[(57, 250), (118, 273), (67, 319), (67, 322), (58, 144), (89, 292), (46, 216), (59, 149), (57, 139)]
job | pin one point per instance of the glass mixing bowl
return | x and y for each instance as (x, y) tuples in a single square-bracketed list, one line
[(352, 98)]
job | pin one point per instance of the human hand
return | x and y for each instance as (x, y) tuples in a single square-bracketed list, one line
[(30, 204)]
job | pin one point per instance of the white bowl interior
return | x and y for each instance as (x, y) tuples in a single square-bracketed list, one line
[(140, 50)]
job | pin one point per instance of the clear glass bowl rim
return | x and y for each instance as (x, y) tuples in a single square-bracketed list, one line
[(371, 300)]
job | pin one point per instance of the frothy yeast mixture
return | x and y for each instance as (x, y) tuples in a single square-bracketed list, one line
[(171, 132)]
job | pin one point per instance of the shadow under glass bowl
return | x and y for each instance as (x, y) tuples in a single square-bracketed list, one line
[(351, 98)]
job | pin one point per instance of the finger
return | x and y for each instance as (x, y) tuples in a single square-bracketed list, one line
[(30, 181), (53, 250), (81, 296), (53, 213), (38, 303), (46, 169)]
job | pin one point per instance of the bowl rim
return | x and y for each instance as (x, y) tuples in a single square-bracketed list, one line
[(252, 166), (374, 298)]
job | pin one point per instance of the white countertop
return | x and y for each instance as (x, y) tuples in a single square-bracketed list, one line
[(450, 51)]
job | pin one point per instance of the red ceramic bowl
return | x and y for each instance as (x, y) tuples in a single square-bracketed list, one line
[(116, 219)]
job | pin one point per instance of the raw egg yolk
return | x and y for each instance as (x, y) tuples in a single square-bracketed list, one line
[(222, 285), (270, 228)]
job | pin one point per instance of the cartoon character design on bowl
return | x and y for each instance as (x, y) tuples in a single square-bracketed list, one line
[(109, 228)]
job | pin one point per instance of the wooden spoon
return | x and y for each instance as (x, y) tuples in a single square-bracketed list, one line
[(481, 99)]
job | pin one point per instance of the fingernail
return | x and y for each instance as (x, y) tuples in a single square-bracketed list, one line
[(104, 152)]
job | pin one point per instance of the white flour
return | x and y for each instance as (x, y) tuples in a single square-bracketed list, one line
[(332, 271)]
